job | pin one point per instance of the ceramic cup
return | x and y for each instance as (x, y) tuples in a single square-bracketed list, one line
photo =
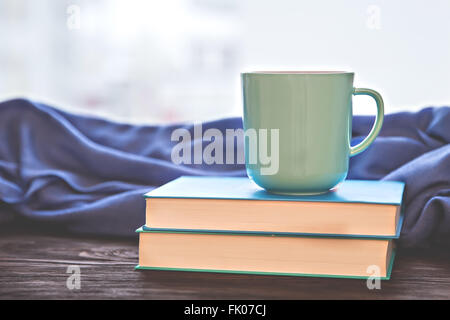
[(310, 114)]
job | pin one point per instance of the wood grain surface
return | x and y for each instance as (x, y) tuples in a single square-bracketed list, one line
[(33, 265)]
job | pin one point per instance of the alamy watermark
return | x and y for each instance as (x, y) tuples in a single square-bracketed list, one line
[(73, 17), (374, 280), (373, 21), (263, 147), (73, 281)]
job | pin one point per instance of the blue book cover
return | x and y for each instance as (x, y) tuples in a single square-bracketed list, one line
[(390, 255), (242, 188)]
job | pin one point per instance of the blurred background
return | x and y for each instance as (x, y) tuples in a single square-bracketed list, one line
[(179, 60)]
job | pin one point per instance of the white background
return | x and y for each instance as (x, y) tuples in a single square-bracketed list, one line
[(179, 60)]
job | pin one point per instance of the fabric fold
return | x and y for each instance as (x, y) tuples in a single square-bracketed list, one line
[(87, 175)]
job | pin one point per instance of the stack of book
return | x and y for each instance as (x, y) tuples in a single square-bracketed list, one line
[(228, 224)]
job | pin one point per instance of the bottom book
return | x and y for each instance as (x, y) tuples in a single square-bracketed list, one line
[(271, 254)]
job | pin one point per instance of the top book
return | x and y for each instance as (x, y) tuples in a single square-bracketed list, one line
[(356, 208)]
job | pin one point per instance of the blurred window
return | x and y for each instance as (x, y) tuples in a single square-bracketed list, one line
[(179, 60)]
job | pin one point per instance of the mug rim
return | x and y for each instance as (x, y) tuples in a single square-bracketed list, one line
[(295, 72)]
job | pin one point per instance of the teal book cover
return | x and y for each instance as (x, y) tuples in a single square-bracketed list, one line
[(387, 277), (143, 230), (242, 188)]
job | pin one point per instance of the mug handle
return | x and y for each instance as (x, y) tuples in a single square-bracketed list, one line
[(377, 124)]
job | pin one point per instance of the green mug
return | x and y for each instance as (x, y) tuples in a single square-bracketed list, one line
[(305, 119)]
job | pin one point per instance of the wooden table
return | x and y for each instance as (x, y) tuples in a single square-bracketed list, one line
[(33, 265)]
